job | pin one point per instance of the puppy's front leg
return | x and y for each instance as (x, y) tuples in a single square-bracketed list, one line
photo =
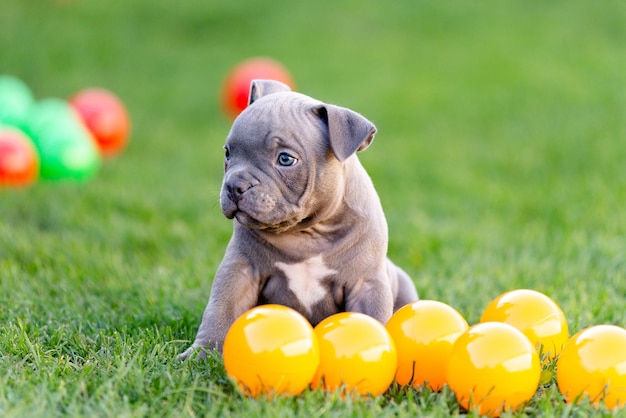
[(234, 291), (372, 297)]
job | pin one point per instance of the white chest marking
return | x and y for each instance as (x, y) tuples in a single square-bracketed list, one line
[(304, 279)]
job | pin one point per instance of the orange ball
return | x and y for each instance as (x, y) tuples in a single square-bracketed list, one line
[(424, 332), (533, 313), (492, 368), (236, 87), (357, 354), (19, 161), (271, 349), (593, 364), (105, 116)]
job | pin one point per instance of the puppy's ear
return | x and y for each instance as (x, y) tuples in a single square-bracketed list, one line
[(260, 88), (348, 131)]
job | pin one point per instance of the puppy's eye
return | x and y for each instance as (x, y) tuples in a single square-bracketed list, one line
[(226, 154), (286, 160)]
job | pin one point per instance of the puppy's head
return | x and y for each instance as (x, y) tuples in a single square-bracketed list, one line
[(285, 154)]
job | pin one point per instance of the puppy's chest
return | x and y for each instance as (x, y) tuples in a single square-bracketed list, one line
[(309, 286)]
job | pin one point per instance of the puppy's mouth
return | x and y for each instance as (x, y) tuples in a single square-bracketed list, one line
[(267, 221), (247, 220), (251, 222)]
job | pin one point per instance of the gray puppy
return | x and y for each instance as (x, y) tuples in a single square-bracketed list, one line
[(309, 229)]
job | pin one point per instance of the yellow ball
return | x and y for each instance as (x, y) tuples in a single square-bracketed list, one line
[(424, 332), (593, 364), (271, 349), (492, 368), (533, 313), (357, 354)]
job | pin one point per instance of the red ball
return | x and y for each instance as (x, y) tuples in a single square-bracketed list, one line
[(19, 161), (236, 87), (105, 116)]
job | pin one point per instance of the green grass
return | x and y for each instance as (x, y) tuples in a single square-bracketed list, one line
[(499, 160)]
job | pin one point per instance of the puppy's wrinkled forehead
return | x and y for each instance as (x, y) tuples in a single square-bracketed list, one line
[(279, 115)]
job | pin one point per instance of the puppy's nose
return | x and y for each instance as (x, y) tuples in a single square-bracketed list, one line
[(236, 188)]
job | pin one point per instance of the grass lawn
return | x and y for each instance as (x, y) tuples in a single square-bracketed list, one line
[(500, 161)]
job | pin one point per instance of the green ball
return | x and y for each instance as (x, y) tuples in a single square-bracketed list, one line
[(16, 100), (66, 148), (69, 161), (53, 117)]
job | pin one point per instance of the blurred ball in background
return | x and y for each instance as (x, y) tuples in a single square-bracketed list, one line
[(19, 161), (105, 116), (15, 101), (236, 87)]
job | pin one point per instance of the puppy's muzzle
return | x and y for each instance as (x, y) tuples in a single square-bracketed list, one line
[(236, 187), (234, 191)]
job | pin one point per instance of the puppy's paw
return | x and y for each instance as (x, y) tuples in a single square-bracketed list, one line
[(194, 352)]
